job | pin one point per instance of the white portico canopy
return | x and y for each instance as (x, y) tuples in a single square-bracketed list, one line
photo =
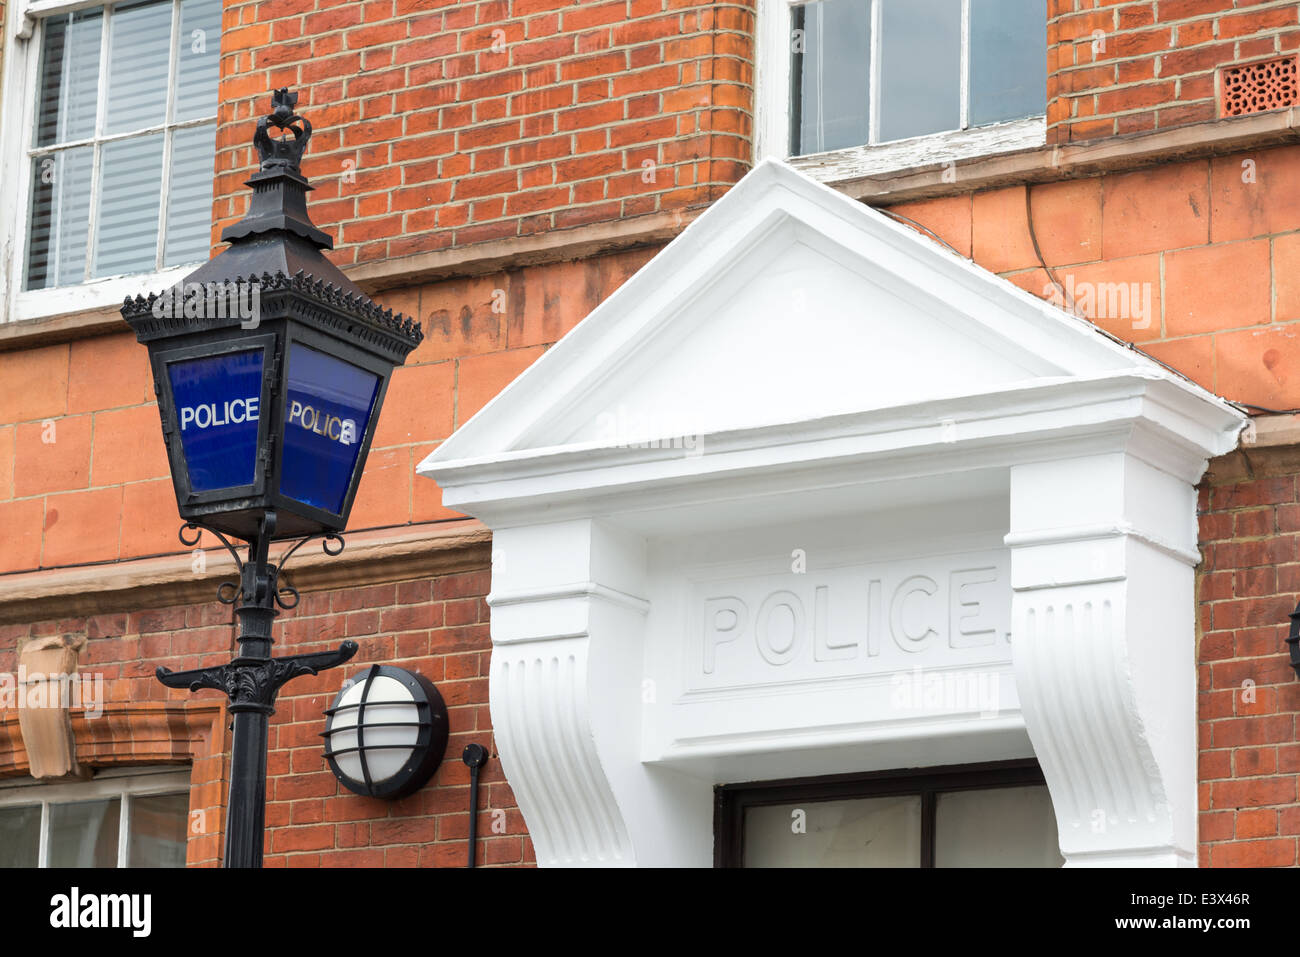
[(804, 458)]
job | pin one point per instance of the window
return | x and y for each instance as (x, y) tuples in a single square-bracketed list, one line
[(967, 75), (981, 816), (117, 140), (138, 819)]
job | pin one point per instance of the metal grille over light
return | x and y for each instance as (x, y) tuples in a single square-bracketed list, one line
[(386, 733)]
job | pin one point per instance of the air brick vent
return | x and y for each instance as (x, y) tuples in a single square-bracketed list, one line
[(1256, 87)]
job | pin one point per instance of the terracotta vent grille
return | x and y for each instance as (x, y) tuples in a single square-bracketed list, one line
[(1256, 87)]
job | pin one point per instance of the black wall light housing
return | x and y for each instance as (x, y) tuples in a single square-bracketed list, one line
[(386, 732)]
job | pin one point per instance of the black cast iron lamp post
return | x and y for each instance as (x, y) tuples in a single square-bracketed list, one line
[(270, 368)]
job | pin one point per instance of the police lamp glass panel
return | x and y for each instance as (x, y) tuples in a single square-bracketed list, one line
[(865, 72), (327, 411), (218, 407)]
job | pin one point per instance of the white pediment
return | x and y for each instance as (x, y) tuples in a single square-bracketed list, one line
[(790, 334), (785, 302)]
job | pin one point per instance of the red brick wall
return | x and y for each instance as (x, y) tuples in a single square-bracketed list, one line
[(462, 122), (1214, 243), (436, 627), (1249, 697), (1117, 67)]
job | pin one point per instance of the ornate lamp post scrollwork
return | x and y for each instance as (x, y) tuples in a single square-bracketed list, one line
[(270, 368)]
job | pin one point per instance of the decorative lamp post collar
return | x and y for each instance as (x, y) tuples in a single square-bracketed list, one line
[(270, 368)]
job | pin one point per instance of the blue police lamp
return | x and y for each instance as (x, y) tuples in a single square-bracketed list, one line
[(270, 368), (269, 364)]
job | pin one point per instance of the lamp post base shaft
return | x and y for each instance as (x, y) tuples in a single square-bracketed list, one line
[(246, 807)]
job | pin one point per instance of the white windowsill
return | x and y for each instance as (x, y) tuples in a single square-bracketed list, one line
[(96, 294), (859, 162)]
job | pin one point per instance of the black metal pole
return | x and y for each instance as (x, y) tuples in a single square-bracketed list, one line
[(251, 681), (246, 806), (475, 755), (246, 817)]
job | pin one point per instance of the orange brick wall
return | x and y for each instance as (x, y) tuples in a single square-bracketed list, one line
[(83, 472), (1214, 244), (1249, 697), (436, 627), (1116, 66), (451, 123)]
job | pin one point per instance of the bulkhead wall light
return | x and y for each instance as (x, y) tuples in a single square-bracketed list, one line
[(386, 732)]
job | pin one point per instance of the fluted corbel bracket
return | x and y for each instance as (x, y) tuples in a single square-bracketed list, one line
[(1102, 618)]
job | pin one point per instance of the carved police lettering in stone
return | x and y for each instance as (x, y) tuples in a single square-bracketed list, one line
[(952, 610)]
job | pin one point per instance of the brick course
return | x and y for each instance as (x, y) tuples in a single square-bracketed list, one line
[(1212, 246), (1118, 66), (1248, 695), (446, 124)]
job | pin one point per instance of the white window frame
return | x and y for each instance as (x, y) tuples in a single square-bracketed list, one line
[(121, 783), (22, 53), (772, 112)]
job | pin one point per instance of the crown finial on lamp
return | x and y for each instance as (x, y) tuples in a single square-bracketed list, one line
[(282, 152), (279, 201)]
